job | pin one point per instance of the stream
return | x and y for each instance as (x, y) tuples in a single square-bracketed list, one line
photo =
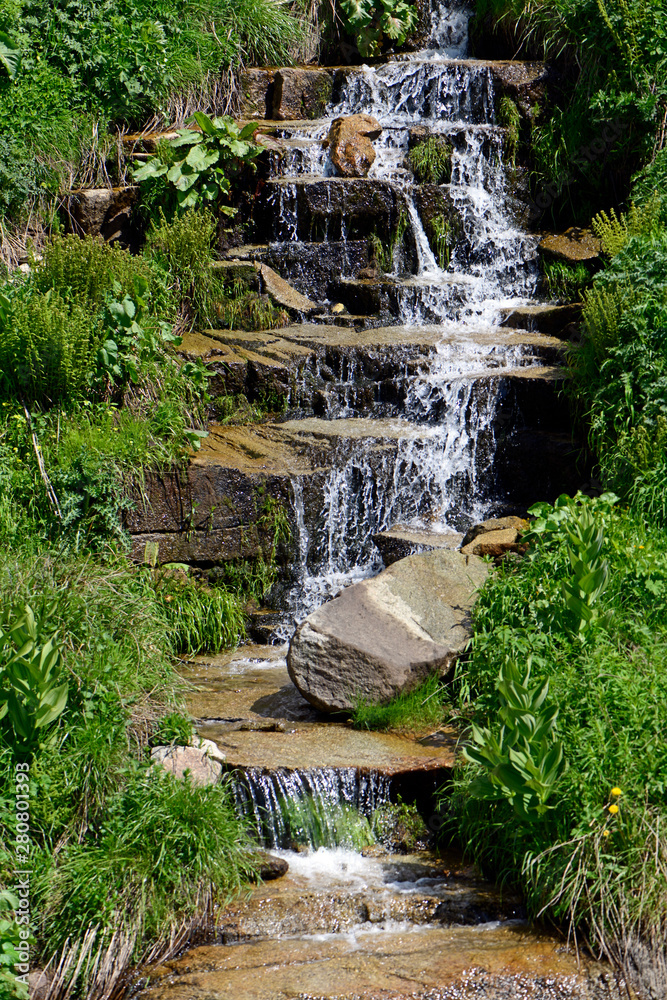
[(367, 909)]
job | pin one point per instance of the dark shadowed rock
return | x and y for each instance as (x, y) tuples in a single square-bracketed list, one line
[(272, 867), (102, 212), (350, 145), (301, 93), (385, 636)]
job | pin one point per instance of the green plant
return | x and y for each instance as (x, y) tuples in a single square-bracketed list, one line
[(46, 347), (413, 711), (431, 160), (10, 54), (183, 250), (34, 692), (509, 117), (565, 282), (398, 826), (200, 618), (372, 22), (165, 848), (219, 151), (239, 308), (11, 986), (318, 822), (444, 235), (523, 762)]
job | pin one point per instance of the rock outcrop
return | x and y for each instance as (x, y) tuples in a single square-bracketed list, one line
[(574, 246), (494, 537), (203, 761), (385, 636), (350, 146)]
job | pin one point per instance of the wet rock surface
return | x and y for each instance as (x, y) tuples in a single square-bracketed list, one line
[(252, 685), (574, 246), (401, 541), (350, 146), (387, 635)]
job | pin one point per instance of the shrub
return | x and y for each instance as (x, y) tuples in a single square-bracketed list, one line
[(47, 347)]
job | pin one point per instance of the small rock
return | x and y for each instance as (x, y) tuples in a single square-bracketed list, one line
[(338, 309), (272, 867), (39, 982), (574, 246), (210, 748), (494, 524), (177, 760), (261, 726), (350, 145)]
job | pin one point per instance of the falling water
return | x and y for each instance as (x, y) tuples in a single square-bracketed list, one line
[(436, 470)]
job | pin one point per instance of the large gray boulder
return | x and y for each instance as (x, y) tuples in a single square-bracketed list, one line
[(385, 636)]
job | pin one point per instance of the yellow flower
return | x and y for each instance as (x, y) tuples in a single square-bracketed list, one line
[(613, 809), (605, 833), (640, 546), (616, 791)]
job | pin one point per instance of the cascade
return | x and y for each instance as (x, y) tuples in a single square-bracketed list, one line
[(440, 475)]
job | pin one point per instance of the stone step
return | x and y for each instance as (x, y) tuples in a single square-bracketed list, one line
[(558, 321), (315, 209), (314, 366), (403, 540), (280, 290), (309, 92)]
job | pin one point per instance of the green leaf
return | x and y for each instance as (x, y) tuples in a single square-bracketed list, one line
[(205, 123), (10, 54)]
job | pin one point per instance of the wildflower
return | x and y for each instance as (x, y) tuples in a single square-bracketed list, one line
[(613, 809), (605, 833), (640, 546), (616, 791)]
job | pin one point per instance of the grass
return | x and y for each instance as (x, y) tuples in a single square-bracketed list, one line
[(413, 712)]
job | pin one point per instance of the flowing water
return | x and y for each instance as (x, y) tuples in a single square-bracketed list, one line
[(442, 475)]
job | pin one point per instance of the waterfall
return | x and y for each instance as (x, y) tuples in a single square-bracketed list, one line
[(433, 469), (324, 807)]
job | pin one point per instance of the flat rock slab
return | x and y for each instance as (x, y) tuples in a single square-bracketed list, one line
[(385, 636), (401, 541), (233, 689)]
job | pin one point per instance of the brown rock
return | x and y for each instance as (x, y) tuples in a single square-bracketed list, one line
[(494, 524), (493, 543), (350, 145), (272, 867), (574, 246), (301, 93), (101, 212), (176, 760), (257, 86)]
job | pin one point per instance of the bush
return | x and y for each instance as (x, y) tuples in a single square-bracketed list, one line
[(47, 347)]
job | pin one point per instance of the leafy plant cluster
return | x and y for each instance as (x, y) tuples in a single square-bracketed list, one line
[(70, 68), (431, 160), (604, 111), (378, 23), (138, 852), (620, 369), (565, 689), (196, 166)]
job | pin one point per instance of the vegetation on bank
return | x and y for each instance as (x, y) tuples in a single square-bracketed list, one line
[(606, 101), (93, 392)]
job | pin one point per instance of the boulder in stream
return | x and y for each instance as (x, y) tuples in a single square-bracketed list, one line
[(385, 636), (350, 145)]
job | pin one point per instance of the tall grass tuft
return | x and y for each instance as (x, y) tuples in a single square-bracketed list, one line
[(414, 711)]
